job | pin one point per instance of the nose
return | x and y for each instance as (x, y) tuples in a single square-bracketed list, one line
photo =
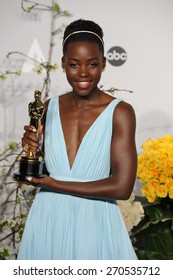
[(83, 71)]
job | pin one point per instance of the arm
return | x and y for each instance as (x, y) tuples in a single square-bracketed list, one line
[(123, 163)]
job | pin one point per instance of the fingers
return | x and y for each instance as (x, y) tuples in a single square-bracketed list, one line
[(30, 128), (31, 179), (29, 137), (35, 181)]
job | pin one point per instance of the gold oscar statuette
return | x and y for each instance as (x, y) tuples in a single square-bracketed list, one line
[(32, 163)]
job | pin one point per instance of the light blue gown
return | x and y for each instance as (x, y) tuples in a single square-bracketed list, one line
[(67, 227)]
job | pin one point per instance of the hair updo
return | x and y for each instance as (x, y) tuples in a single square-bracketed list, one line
[(96, 34)]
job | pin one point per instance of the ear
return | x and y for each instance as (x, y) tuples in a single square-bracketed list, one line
[(104, 63), (62, 63)]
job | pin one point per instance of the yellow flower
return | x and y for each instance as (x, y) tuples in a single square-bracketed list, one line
[(164, 176), (167, 139), (147, 144), (161, 191), (169, 184), (155, 167), (151, 196), (171, 193), (149, 190), (154, 174), (169, 161), (152, 164), (153, 184), (170, 151), (162, 163), (152, 154)]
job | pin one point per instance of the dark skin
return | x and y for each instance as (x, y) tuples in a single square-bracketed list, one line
[(83, 64)]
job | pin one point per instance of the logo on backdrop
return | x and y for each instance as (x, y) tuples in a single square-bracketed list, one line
[(36, 53), (116, 56)]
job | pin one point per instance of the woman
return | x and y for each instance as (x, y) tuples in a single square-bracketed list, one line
[(90, 154)]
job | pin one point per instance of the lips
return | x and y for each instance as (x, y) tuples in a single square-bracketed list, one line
[(83, 84)]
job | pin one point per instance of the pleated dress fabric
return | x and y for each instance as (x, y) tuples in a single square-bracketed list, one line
[(67, 227)]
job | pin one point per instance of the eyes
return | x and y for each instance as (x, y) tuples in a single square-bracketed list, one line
[(77, 65)]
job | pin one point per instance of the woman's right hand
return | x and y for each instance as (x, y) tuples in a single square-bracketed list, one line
[(30, 138)]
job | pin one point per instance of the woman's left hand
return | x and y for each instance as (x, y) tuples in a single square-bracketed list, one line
[(41, 182)]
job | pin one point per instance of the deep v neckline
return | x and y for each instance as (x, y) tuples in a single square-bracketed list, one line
[(84, 137)]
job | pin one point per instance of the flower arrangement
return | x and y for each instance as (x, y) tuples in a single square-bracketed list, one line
[(155, 168), (153, 236), (132, 211)]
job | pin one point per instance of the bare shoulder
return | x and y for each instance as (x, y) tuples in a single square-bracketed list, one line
[(124, 115), (106, 97), (124, 108)]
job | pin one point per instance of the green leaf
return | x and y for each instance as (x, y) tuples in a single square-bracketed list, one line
[(161, 241), (4, 253), (150, 255), (66, 13), (57, 8), (39, 71), (18, 199), (18, 73), (157, 238), (29, 9), (3, 77), (172, 225), (55, 66), (12, 145), (157, 214)]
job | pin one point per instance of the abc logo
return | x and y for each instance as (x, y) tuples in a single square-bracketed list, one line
[(116, 56)]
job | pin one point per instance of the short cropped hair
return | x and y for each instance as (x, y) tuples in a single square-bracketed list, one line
[(83, 25)]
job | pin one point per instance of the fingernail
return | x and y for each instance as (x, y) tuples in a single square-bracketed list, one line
[(28, 178), (34, 129)]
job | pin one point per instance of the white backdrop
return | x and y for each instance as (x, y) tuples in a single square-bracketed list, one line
[(143, 28)]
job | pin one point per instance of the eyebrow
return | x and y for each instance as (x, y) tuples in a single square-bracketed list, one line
[(93, 58)]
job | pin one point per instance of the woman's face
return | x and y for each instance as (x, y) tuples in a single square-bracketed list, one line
[(83, 63)]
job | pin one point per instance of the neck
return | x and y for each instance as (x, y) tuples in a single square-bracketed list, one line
[(81, 101)]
